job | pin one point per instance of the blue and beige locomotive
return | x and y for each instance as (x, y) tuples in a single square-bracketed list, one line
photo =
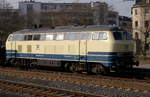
[(95, 49)]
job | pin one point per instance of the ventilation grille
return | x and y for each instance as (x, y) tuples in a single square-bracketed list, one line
[(29, 48), (19, 48)]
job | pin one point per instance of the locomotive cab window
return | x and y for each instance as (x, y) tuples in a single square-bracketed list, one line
[(122, 35), (10, 37), (117, 35), (127, 35)]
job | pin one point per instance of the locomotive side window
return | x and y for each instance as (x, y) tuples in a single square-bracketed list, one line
[(95, 36), (85, 36), (60, 37), (42, 37), (102, 36), (18, 37), (29, 37), (99, 36), (49, 37), (36, 37), (78, 36), (72, 36)]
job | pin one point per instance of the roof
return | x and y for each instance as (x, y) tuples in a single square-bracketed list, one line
[(68, 29), (141, 5)]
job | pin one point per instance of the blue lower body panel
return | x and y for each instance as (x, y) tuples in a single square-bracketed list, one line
[(106, 58)]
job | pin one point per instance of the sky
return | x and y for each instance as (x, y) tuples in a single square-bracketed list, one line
[(124, 8)]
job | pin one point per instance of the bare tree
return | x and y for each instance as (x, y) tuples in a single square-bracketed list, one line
[(9, 20), (142, 45), (73, 14), (111, 8), (146, 32), (5, 5)]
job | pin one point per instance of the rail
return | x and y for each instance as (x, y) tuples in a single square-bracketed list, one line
[(39, 90)]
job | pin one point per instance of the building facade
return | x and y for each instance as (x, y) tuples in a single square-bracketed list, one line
[(61, 14), (141, 22)]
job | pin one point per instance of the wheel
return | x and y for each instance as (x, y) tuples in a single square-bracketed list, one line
[(66, 66), (32, 65), (72, 68), (98, 69)]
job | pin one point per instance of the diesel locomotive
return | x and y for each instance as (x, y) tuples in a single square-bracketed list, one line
[(95, 49)]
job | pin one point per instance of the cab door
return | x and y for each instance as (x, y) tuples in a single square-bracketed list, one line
[(83, 50), (11, 46), (13, 50)]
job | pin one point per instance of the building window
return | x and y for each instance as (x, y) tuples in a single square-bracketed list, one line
[(45, 7), (147, 11), (147, 1), (54, 7), (136, 12), (136, 35), (146, 24), (136, 23), (29, 8)]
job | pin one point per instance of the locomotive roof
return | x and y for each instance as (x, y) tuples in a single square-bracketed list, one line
[(69, 29)]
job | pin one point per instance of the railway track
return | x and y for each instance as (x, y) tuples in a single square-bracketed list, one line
[(127, 76), (132, 84), (39, 90), (130, 78)]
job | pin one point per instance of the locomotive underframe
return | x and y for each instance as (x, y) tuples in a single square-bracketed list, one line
[(76, 66)]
